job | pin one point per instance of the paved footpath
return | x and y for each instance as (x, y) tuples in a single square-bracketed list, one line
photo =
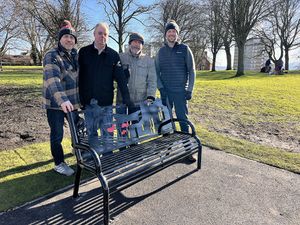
[(227, 190)]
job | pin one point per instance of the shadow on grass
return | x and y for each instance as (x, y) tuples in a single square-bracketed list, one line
[(20, 72), (216, 75), (87, 209), (21, 169), (229, 75)]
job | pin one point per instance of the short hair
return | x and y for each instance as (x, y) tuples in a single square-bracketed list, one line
[(102, 24)]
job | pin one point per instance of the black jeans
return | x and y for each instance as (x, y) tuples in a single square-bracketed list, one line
[(56, 123)]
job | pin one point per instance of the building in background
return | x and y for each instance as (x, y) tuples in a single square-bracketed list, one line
[(254, 56), (16, 60), (205, 62)]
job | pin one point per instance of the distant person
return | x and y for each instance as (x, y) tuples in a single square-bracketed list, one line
[(175, 68), (268, 66), (278, 67), (60, 90), (140, 71)]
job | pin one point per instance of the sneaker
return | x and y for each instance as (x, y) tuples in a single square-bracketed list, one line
[(64, 169), (191, 159)]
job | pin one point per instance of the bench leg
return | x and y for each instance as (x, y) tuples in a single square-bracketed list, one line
[(106, 206), (77, 181), (199, 157), (105, 190)]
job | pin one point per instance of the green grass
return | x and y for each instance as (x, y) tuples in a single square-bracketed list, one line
[(26, 173), (268, 155), (21, 76), (253, 101), (254, 95)]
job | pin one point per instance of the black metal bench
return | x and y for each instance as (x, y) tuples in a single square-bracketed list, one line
[(124, 149)]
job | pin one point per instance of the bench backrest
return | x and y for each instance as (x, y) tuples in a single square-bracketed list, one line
[(105, 128)]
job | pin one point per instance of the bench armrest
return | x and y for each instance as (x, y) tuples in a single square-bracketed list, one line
[(82, 146), (93, 153), (191, 125)]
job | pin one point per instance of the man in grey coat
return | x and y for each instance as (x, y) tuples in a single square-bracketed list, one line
[(140, 71)]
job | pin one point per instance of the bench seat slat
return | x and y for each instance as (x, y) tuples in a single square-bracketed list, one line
[(149, 153)]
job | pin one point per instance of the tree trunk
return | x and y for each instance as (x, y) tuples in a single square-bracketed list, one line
[(120, 46), (286, 57), (228, 57), (34, 55), (240, 69), (213, 67), (40, 56), (120, 41)]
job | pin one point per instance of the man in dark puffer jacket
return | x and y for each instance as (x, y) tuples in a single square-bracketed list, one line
[(175, 68)]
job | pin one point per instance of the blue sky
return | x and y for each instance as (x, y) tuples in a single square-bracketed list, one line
[(94, 13)]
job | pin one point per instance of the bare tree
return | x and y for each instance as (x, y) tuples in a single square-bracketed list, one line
[(227, 39), (190, 16), (198, 43), (186, 13), (244, 15), (120, 13), (8, 25), (226, 35), (38, 38), (215, 28), (268, 35), (50, 15), (286, 16)]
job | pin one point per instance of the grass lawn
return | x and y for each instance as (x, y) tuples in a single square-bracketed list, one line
[(21, 76), (250, 105), (255, 104), (26, 173)]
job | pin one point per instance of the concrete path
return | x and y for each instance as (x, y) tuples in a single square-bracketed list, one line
[(227, 190)]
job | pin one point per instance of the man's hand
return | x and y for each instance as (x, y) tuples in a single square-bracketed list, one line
[(128, 103), (188, 95), (67, 106), (150, 100)]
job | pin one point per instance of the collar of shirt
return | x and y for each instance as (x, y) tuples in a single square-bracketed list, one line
[(175, 45), (62, 51), (99, 50)]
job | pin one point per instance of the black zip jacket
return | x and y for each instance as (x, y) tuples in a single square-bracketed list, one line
[(96, 76)]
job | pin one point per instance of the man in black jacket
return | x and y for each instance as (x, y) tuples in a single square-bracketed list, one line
[(99, 66)]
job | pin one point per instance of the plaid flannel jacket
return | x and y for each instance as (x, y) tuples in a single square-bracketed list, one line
[(60, 81)]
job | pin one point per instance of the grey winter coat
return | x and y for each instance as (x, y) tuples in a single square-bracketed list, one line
[(142, 81)]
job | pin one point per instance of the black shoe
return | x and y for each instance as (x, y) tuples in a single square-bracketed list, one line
[(191, 159)]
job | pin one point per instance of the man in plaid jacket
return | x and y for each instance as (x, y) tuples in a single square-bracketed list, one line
[(60, 90)]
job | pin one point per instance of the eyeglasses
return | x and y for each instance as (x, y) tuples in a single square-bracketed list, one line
[(102, 33)]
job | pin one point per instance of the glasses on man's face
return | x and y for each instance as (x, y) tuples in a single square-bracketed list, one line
[(102, 33)]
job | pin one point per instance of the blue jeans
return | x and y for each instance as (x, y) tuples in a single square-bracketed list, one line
[(56, 123), (177, 100)]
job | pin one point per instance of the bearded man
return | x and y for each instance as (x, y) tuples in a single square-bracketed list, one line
[(140, 72)]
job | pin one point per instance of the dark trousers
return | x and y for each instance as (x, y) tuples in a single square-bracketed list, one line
[(56, 123), (177, 100)]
